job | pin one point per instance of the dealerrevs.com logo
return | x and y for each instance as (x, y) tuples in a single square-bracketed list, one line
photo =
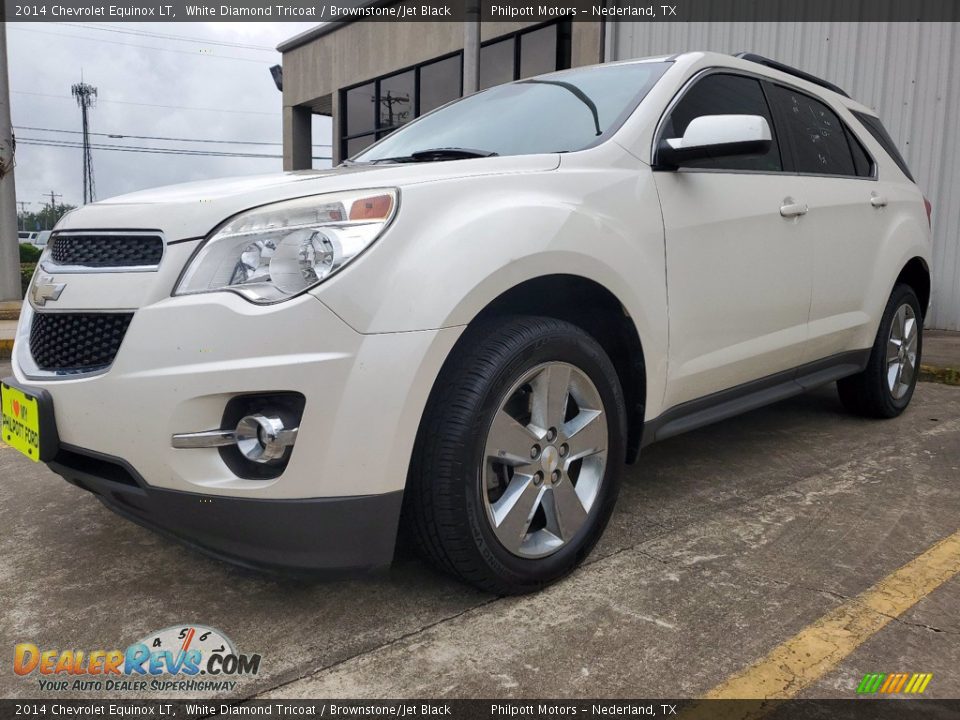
[(187, 658)]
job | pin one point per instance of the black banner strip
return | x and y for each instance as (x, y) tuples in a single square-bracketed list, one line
[(504, 10)]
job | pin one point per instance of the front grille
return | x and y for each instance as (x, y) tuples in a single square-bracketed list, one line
[(76, 342), (100, 251)]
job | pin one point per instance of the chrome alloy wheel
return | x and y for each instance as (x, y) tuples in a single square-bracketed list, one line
[(544, 460), (902, 351)]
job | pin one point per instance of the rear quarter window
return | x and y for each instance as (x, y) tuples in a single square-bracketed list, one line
[(861, 158), (880, 134)]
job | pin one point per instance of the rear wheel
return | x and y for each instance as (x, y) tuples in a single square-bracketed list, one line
[(518, 458), (886, 385)]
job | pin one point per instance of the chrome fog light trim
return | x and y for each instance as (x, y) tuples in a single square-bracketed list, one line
[(259, 438), (205, 439)]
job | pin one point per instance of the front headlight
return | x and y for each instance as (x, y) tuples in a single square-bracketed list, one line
[(277, 251)]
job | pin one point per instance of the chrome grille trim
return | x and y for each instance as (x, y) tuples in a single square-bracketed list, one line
[(25, 360), (49, 265)]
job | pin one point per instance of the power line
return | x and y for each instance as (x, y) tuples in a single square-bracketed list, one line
[(166, 36), (154, 105), (145, 47), (136, 148), (142, 149), (119, 136)]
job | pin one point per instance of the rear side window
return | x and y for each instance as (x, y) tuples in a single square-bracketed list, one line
[(814, 132), (720, 94), (861, 158), (880, 134)]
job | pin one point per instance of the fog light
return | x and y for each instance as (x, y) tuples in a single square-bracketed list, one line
[(261, 438)]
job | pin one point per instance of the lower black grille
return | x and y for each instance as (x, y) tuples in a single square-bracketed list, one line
[(98, 251), (76, 342)]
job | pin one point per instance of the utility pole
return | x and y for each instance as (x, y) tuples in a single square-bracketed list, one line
[(471, 48), (86, 96), (9, 241), (53, 209), (389, 101), (23, 211)]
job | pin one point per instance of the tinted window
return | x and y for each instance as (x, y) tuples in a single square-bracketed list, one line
[(360, 109), (881, 135), (439, 83), (554, 113), (538, 52), (720, 94), (496, 63), (861, 158), (814, 132), (396, 100)]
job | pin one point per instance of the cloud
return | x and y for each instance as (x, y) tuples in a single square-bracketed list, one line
[(46, 59)]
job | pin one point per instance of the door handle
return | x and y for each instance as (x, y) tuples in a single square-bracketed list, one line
[(791, 209), (878, 201)]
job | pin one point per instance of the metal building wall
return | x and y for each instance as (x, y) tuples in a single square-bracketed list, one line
[(908, 72)]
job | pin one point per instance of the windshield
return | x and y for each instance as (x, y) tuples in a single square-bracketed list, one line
[(560, 112)]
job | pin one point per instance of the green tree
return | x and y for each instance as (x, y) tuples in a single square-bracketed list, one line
[(46, 218)]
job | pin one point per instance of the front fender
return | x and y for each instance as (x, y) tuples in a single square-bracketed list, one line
[(458, 245)]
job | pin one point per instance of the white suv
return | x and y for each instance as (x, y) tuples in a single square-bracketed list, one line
[(469, 328)]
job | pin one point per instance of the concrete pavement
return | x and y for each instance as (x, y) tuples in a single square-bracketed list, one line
[(725, 543)]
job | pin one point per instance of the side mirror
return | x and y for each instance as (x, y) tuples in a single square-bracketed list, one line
[(715, 136)]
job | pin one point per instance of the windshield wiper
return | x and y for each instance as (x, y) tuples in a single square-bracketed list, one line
[(436, 154)]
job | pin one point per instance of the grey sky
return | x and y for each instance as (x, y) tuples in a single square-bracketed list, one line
[(46, 59)]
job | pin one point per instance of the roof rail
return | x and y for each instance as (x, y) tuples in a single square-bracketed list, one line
[(761, 60)]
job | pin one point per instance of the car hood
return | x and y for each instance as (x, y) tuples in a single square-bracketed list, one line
[(191, 210)]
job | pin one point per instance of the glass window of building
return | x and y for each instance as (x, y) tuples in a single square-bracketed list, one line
[(440, 82), (360, 109), (538, 51), (496, 63), (397, 100), (378, 107)]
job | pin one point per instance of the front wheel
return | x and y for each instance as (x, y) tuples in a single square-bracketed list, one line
[(518, 457), (886, 385)]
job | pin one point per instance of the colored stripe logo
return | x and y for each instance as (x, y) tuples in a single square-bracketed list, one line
[(894, 683)]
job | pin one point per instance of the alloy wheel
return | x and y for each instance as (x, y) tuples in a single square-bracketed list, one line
[(544, 459), (902, 351)]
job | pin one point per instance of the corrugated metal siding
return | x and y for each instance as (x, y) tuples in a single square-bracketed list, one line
[(909, 72)]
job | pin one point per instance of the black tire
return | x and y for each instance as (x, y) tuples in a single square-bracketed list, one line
[(868, 393), (444, 508)]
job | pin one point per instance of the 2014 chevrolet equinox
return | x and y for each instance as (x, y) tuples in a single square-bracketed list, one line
[(472, 325)]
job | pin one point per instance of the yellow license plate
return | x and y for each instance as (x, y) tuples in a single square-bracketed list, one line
[(21, 422)]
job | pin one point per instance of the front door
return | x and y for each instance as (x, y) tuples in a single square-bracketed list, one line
[(737, 252)]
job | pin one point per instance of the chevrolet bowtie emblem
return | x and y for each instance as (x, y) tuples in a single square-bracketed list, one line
[(44, 289)]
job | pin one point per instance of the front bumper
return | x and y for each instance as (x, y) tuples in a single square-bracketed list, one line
[(332, 534), (337, 502)]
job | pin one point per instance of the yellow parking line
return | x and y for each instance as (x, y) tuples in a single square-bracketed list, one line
[(820, 647)]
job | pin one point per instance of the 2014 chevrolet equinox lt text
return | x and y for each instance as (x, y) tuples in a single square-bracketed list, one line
[(470, 327)]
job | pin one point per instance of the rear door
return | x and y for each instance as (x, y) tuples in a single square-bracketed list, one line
[(845, 221), (738, 271)]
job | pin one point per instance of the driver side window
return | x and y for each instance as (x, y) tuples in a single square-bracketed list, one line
[(722, 94)]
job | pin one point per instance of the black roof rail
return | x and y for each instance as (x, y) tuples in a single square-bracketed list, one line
[(761, 60)]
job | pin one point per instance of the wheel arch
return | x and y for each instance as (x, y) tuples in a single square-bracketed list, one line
[(916, 274), (600, 313)]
